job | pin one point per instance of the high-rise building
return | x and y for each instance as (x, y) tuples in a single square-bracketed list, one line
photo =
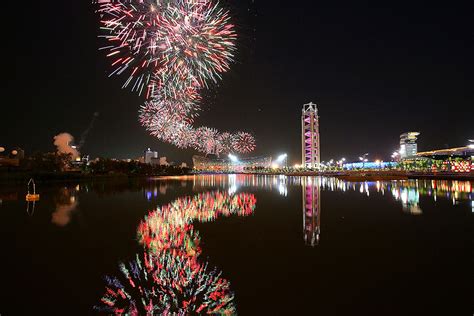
[(149, 156), (310, 136), (408, 146)]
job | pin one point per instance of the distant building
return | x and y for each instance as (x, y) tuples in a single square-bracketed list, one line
[(155, 161), (408, 145), (150, 155), (214, 163), (461, 152), (310, 154), (80, 161), (11, 158)]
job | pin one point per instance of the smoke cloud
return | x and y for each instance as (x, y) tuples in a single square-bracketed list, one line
[(62, 143), (163, 161)]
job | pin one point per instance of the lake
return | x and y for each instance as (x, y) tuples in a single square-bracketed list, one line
[(246, 244)]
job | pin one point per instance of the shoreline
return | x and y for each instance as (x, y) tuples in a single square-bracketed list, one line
[(359, 176), (351, 176), (62, 177)]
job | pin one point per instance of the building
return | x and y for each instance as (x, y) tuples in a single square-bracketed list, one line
[(150, 156), (408, 146), (214, 163), (461, 152), (310, 136)]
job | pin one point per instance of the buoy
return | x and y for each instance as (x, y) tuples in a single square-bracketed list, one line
[(32, 196)]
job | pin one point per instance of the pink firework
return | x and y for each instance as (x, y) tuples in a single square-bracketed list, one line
[(171, 50), (244, 142)]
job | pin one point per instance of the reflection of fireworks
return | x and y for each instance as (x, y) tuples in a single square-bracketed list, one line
[(169, 227), (168, 279), (167, 284), (171, 50)]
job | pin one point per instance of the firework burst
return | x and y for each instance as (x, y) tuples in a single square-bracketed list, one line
[(244, 142), (176, 43), (169, 51)]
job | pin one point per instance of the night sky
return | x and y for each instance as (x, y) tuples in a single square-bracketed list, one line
[(376, 69)]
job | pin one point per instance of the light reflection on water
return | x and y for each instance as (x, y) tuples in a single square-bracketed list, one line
[(407, 193), (66, 203), (169, 277), (170, 268)]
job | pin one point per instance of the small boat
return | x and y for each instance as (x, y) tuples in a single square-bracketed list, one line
[(32, 196)]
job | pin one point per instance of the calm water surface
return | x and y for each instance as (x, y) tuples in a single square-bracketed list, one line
[(252, 245)]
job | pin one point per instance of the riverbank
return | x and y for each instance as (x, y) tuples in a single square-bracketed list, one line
[(373, 175), (356, 176), (47, 177)]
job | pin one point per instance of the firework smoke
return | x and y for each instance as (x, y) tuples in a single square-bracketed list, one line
[(62, 142)]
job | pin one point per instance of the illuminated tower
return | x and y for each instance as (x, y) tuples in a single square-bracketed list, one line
[(311, 210), (310, 136)]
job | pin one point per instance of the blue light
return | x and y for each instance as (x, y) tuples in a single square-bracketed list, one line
[(369, 165)]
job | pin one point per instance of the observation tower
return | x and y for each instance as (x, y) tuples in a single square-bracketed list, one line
[(310, 136)]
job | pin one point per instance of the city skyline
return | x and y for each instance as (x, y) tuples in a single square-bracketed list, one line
[(374, 72)]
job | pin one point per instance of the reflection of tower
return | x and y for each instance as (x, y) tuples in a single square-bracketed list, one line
[(311, 211), (310, 136)]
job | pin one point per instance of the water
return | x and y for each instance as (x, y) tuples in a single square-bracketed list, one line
[(289, 246)]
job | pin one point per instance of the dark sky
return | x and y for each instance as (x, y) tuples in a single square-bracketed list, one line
[(376, 69)]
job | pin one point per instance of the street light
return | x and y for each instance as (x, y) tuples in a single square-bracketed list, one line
[(363, 157), (282, 158), (233, 158)]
